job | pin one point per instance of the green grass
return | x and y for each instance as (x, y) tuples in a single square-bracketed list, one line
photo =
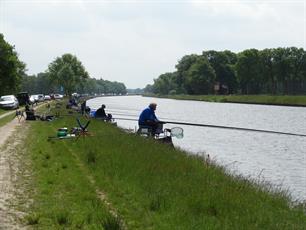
[(6, 119), (252, 99), (64, 196), (2, 111), (150, 185)]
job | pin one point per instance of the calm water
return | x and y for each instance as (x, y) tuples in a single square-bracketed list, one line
[(277, 159)]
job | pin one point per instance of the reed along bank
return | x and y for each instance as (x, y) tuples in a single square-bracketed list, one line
[(115, 180)]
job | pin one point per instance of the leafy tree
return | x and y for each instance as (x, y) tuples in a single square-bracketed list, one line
[(149, 88), (29, 84), (248, 71), (200, 77), (282, 68), (267, 70), (117, 87), (37, 84), (11, 68), (165, 83), (223, 64), (275, 71), (182, 68), (297, 59), (92, 85), (231, 57), (67, 71)]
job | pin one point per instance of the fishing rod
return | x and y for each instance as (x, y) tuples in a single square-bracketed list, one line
[(223, 127), (124, 114), (131, 115)]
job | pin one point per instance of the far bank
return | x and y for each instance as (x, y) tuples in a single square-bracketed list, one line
[(282, 100)]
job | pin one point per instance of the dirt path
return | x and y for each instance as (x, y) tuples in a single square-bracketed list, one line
[(12, 136), (7, 130)]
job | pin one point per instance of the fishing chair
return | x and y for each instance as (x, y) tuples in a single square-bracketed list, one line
[(144, 130), (147, 130), (19, 114), (82, 130)]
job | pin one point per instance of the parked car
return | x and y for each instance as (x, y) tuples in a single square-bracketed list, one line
[(47, 97), (35, 98), (32, 99), (41, 97), (23, 98), (9, 102), (58, 96)]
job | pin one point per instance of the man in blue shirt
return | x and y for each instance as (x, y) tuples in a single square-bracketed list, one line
[(148, 118)]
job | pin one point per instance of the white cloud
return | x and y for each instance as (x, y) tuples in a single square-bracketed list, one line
[(135, 41)]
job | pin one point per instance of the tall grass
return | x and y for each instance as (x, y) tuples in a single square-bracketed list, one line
[(150, 185)]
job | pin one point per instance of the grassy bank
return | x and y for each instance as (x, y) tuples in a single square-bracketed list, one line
[(6, 119), (251, 99), (149, 185)]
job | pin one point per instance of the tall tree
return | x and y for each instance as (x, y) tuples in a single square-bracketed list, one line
[(11, 68), (267, 70), (92, 85), (297, 59), (200, 77), (165, 83), (182, 67), (67, 71), (223, 64), (248, 71), (282, 68), (148, 89)]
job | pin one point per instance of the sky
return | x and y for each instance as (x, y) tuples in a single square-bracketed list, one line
[(135, 41)]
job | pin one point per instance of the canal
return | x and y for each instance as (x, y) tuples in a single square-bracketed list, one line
[(272, 159)]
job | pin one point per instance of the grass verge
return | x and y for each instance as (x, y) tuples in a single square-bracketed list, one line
[(150, 185), (2, 111), (250, 99), (6, 119)]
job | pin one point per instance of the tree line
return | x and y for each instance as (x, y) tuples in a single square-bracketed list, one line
[(252, 71), (66, 74), (42, 83)]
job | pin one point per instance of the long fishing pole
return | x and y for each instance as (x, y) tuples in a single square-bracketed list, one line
[(223, 127), (125, 115), (131, 115)]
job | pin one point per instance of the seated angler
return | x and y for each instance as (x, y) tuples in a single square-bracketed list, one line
[(30, 115), (148, 119), (100, 113)]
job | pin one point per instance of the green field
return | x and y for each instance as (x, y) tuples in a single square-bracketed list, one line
[(251, 99), (80, 184)]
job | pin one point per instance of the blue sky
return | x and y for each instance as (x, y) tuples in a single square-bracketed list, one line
[(136, 41)]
